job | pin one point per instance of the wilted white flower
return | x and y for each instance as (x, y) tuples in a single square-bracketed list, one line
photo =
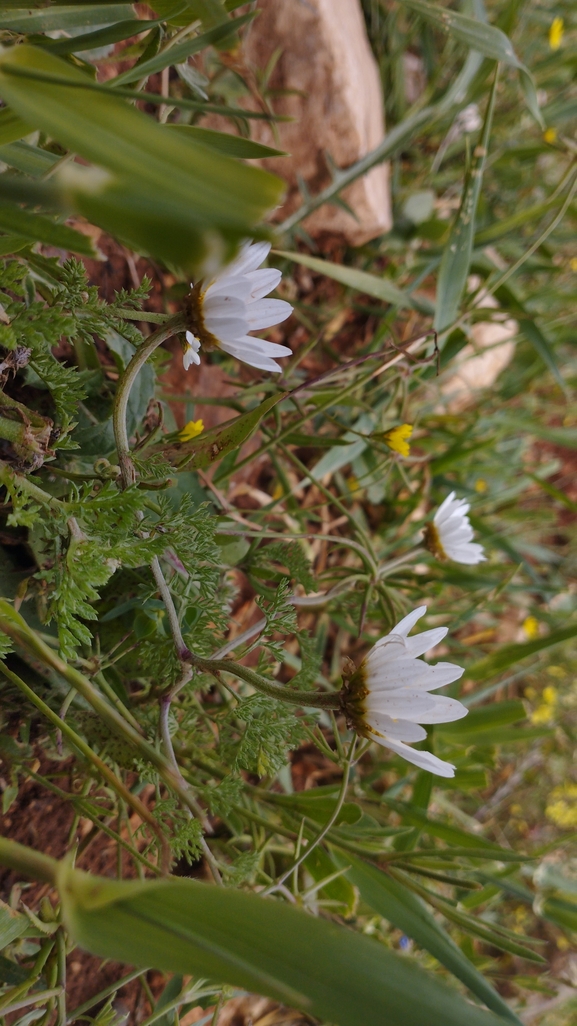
[(450, 536), (388, 697), (224, 310)]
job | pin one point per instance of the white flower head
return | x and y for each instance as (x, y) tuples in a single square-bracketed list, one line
[(223, 310), (389, 696), (450, 535)]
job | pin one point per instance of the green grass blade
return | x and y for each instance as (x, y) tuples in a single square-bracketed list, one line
[(389, 898), (361, 281), (456, 259)]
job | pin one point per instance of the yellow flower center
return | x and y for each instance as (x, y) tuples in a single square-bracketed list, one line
[(433, 541), (191, 430), (396, 439), (556, 33), (531, 627), (194, 304)]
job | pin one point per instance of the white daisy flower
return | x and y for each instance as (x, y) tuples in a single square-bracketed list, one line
[(388, 697), (450, 535), (224, 310)]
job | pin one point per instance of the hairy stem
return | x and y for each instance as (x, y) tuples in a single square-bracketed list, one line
[(311, 699)]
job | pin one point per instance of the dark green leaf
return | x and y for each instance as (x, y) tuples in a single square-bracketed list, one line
[(183, 926)]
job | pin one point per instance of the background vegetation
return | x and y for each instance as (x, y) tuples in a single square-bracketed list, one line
[(471, 879)]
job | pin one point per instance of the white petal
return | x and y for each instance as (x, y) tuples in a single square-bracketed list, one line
[(443, 507), (401, 705), (252, 359), (445, 710), (261, 345), (250, 257), (404, 625), (398, 730), (262, 282), (267, 312), (421, 643), (424, 760), (190, 355), (226, 329), (239, 288)]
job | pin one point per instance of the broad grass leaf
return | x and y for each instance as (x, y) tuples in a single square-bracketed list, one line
[(184, 926), (224, 142), (362, 281), (390, 899), (163, 195)]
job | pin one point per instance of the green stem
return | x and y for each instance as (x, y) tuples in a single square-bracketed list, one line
[(311, 699), (175, 324), (101, 766), (26, 860), (16, 628), (330, 822)]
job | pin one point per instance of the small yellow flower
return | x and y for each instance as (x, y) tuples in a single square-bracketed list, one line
[(352, 484), (556, 33), (481, 485), (557, 671), (563, 944), (550, 135), (561, 806), (573, 263), (191, 430), (550, 695), (531, 627), (397, 439), (278, 491)]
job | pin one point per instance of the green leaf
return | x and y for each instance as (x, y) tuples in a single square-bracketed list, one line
[(510, 655), (100, 37), (562, 913), (12, 127), (12, 924), (163, 195), (408, 913), (456, 259), (64, 17), (488, 717), (36, 228), (477, 35), (184, 926), (370, 284), (210, 12), (542, 347), (451, 834), (211, 446), (31, 160), (485, 39), (224, 142), (181, 51)]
